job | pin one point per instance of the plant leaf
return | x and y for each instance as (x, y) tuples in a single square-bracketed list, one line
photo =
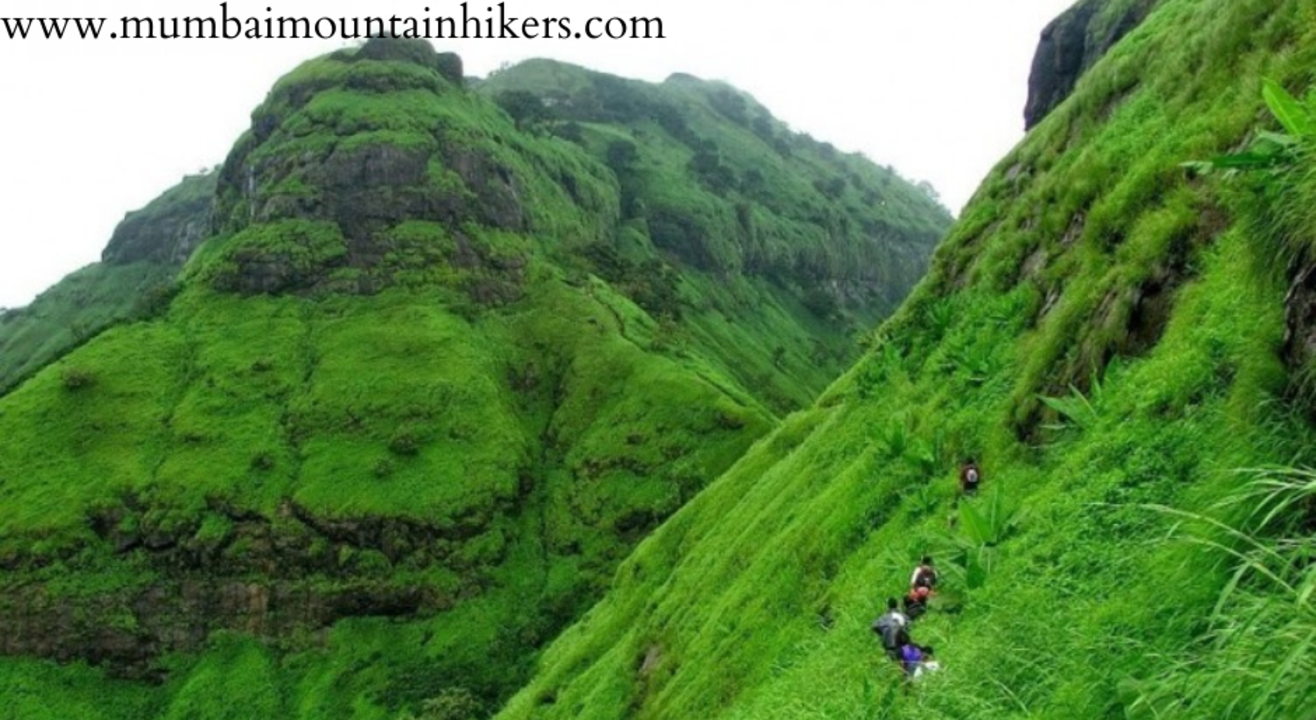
[(1286, 108), (1249, 160), (975, 526), (1280, 139)]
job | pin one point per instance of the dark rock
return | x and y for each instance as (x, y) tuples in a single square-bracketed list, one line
[(300, 588), (364, 188), (169, 229), (1072, 44), (1300, 319), (451, 68), (420, 52)]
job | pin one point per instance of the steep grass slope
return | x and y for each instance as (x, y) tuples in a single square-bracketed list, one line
[(133, 279), (422, 388), (1110, 337)]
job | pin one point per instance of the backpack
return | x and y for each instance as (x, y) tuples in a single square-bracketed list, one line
[(879, 625), (894, 636), (925, 578), (891, 630), (884, 623)]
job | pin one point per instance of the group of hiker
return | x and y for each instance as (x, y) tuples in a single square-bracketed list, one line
[(893, 628)]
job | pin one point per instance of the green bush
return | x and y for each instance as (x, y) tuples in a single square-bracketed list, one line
[(75, 379)]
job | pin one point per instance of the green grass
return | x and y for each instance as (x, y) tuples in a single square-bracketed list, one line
[(39, 690), (1103, 334), (429, 369), (79, 307)]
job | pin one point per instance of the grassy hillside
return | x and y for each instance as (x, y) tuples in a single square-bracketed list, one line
[(133, 280), (1120, 343), (710, 180), (428, 380)]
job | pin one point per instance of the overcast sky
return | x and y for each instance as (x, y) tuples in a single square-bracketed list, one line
[(90, 130)]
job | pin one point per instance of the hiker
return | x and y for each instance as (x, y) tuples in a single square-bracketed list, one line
[(914, 658), (925, 575), (927, 665), (916, 602), (970, 478), (893, 629)]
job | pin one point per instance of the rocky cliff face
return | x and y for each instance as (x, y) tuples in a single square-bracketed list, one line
[(1300, 316), (357, 145), (168, 230), (1072, 44), (290, 575)]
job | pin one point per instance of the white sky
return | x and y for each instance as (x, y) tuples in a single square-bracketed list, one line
[(91, 130)]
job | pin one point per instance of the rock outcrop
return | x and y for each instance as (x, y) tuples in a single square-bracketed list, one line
[(349, 145), (134, 280), (271, 577), (1072, 44), (1300, 319), (168, 230)]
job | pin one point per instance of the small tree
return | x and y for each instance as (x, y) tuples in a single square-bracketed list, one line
[(77, 379), (525, 108), (451, 704), (622, 155)]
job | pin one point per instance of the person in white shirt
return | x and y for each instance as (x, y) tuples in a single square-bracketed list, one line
[(925, 575)]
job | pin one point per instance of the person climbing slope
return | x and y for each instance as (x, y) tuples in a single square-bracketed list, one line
[(893, 629), (921, 585), (917, 660), (925, 575), (916, 602), (970, 477), (927, 665)]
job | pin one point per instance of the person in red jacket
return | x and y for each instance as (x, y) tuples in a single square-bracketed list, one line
[(916, 602)]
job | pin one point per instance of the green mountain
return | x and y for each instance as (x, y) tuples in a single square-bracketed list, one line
[(132, 281), (444, 356), (1126, 347)]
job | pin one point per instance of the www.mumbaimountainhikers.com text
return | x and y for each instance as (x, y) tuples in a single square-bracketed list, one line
[(464, 21)]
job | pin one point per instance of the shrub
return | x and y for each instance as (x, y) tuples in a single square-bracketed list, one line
[(451, 704), (525, 108), (571, 132), (263, 461), (156, 300), (622, 155), (77, 379), (404, 443)]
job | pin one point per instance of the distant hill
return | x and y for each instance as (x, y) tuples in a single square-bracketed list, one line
[(134, 278)]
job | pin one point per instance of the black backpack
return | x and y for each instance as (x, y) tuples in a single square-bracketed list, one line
[(894, 636), (893, 633), (926, 577)]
